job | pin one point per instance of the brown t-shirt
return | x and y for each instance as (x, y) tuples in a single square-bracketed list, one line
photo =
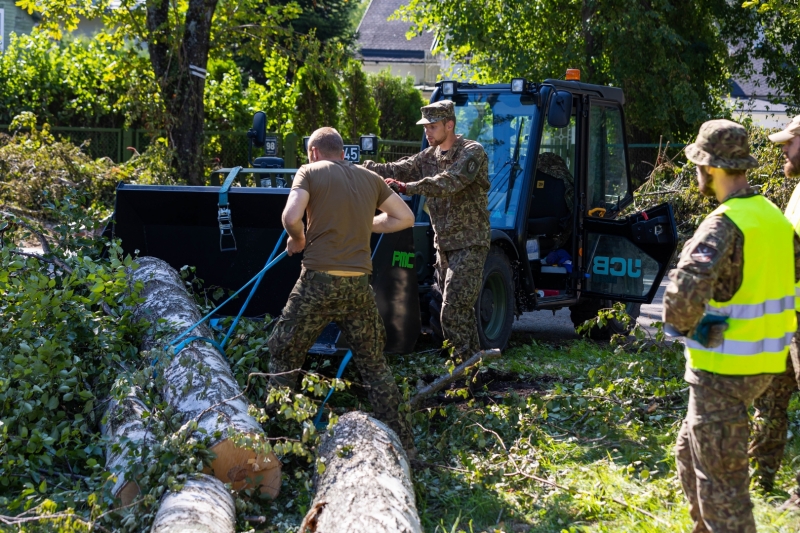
[(342, 203)]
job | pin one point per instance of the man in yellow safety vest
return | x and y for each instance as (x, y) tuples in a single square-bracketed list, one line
[(771, 420), (732, 297)]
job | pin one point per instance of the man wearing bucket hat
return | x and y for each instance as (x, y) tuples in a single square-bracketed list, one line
[(771, 420), (732, 297), (453, 173)]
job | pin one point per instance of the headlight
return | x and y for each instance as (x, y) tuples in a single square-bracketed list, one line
[(448, 88), (369, 144), (518, 85)]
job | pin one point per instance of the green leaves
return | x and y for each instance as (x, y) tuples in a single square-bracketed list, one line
[(669, 56)]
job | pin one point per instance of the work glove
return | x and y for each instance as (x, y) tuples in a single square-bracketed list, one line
[(396, 186), (710, 331)]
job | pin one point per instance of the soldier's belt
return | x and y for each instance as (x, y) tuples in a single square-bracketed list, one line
[(328, 279)]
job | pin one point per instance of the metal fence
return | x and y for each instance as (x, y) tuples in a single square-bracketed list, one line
[(230, 148)]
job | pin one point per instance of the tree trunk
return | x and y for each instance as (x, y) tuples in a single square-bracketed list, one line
[(128, 432), (179, 65), (201, 385), (366, 485), (203, 505)]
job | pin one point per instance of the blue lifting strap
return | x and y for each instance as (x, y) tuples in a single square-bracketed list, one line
[(227, 242), (318, 419), (176, 346)]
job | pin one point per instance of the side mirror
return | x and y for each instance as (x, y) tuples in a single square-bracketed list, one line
[(560, 109), (258, 132)]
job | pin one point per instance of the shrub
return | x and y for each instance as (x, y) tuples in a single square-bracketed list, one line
[(398, 103), (316, 100), (359, 111)]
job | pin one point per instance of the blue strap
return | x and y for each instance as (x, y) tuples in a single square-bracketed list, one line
[(226, 185), (175, 343), (342, 366), (252, 291)]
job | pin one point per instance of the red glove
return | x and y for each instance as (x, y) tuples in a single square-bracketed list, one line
[(396, 186)]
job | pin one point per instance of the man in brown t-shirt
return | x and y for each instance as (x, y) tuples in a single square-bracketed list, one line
[(339, 199)]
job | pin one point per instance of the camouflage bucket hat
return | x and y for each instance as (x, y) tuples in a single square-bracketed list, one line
[(721, 144), (437, 111)]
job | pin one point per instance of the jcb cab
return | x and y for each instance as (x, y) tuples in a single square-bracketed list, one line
[(547, 252)]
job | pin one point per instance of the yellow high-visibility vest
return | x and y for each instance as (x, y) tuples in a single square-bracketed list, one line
[(761, 315), (793, 214)]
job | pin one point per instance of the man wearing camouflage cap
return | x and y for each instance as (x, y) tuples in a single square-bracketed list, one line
[(732, 297), (453, 173), (771, 420)]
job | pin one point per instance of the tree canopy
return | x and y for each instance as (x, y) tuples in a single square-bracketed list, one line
[(670, 56)]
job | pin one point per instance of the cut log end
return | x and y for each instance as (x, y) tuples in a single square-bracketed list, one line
[(243, 469), (203, 505)]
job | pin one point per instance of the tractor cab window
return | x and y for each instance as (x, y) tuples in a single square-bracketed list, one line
[(502, 123), (607, 187)]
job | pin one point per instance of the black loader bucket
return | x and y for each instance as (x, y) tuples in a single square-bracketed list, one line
[(183, 225)]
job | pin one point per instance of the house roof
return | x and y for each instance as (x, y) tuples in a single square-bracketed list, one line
[(380, 39), (754, 86)]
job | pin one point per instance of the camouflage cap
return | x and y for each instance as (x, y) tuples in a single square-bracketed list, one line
[(791, 131), (437, 111), (721, 144)]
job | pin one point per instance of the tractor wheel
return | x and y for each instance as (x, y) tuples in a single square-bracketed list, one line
[(587, 309), (495, 307)]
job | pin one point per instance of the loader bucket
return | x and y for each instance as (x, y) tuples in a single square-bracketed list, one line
[(179, 224)]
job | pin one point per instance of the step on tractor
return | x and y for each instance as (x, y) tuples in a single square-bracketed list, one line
[(560, 179)]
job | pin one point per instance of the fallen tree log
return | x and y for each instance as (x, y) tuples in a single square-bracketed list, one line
[(366, 485), (201, 385), (443, 381), (127, 432), (202, 504)]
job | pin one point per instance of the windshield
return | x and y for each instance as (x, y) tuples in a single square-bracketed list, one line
[(502, 123)]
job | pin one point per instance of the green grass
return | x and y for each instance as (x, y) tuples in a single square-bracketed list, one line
[(597, 421)]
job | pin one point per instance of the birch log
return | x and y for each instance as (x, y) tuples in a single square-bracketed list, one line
[(366, 485), (201, 385), (202, 506), (127, 434)]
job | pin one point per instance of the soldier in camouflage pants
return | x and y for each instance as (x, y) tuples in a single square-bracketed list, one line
[(712, 446), (453, 173), (770, 424), (318, 299), (339, 201)]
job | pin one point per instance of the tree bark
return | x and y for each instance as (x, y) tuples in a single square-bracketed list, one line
[(445, 380), (366, 485), (128, 432), (182, 87), (203, 505), (201, 385)]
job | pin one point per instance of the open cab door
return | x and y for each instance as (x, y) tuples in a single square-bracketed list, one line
[(622, 259), (626, 259)]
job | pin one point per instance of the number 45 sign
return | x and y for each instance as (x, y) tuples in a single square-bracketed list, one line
[(352, 152)]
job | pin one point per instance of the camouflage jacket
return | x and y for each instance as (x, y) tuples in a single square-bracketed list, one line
[(710, 267), (456, 184)]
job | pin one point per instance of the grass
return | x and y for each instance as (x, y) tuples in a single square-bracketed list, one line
[(574, 437)]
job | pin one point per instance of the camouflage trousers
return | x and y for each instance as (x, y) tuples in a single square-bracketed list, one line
[(459, 275), (770, 424), (318, 299), (711, 451)]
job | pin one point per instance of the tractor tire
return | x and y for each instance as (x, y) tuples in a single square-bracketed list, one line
[(495, 307), (587, 309)]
